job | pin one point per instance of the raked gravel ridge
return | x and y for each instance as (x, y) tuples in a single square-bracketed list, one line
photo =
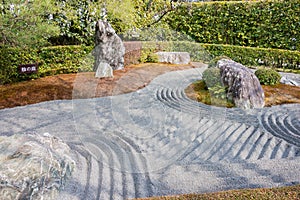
[(156, 141)]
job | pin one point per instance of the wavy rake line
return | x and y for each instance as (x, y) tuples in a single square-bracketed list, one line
[(283, 124), (129, 178)]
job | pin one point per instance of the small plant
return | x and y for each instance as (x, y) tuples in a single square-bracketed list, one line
[(268, 76), (212, 96), (212, 77), (218, 92), (148, 55), (214, 61)]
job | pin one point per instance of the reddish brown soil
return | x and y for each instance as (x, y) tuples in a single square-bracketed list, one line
[(68, 86), (281, 94)]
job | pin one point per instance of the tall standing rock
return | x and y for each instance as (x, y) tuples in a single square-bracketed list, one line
[(243, 86), (109, 51)]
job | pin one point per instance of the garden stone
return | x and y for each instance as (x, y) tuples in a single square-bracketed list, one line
[(104, 70), (243, 86), (109, 48), (174, 57), (34, 166), (288, 81)]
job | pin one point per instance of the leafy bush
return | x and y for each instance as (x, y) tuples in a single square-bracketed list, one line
[(267, 24), (214, 96), (218, 92), (268, 76), (148, 55), (214, 61), (212, 77)]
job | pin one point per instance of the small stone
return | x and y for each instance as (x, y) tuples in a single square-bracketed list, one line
[(287, 81), (104, 70)]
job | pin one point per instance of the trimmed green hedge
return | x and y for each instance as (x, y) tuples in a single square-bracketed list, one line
[(10, 59), (51, 61), (65, 59), (266, 24), (251, 56)]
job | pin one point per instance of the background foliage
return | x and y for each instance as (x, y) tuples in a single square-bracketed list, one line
[(250, 56), (26, 23), (267, 24), (250, 32)]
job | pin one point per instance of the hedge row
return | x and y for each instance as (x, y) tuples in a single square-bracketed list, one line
[(265, 24), (51, 61), (250, 56), (70, 59)]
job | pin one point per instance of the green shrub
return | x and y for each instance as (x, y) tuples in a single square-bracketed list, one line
[(267, 24), (214, 96), (63, 59), (148, 52), (148, 55), (214, 61), (218, 92), (268, 76), (212, 77)]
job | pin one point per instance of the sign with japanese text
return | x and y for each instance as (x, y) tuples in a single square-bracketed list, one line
[(28, 69)]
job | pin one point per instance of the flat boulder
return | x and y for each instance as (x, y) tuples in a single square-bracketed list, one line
[(174, 57), (243, 87)]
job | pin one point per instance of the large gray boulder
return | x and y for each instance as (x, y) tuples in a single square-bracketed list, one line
[(109, 49), (243, 86), (34, 166)]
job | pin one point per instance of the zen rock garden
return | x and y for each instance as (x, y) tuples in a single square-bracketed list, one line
[(153, 140)]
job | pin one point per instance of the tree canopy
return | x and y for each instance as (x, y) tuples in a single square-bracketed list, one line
[(29, 23), (26, 23)]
